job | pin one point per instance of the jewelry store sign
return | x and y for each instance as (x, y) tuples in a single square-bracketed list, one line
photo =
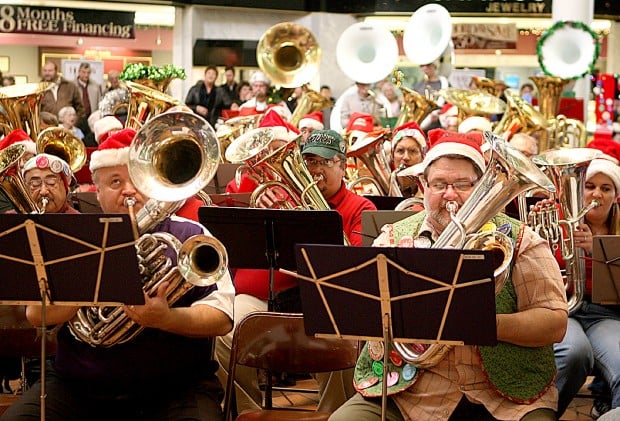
[(484, 36), (63, 21)]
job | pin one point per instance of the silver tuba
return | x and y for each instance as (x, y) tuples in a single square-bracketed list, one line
[(172, 157), (567, 168), (508, 174)]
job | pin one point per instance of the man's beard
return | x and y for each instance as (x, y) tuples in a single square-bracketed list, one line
[(440, 216)]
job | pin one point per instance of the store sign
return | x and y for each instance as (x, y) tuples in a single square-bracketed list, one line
[(484, 36), (62, 21)]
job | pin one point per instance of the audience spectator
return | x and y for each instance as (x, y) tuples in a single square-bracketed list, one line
[(204, 99), (229, 89), (68, 117), (64, 93)]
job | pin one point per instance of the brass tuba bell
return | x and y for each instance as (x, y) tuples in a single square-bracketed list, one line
[(63, 144), (11, 181), (288, 54), (20, 107), (145, 103)]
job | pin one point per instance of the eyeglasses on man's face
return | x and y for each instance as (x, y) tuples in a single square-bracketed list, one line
[(458, 186), (36, 182), (313, 163)]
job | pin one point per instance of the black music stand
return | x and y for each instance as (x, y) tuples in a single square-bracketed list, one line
[(75, 260), (606, 269), (435, 296), (265, 238)]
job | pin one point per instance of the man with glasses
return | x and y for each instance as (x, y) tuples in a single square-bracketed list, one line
[(47, 178), (512, 380)]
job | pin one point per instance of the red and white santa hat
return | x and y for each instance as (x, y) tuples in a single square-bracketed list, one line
[(312, 121), (609, 147), (113, 151), (475, 123), (104, 126), (19, 137), (410, 129), (443, 142), (447, 114), (606, 167), (281, 129)]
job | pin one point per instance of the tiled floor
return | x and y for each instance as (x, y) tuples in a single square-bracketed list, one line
[(579, 408)]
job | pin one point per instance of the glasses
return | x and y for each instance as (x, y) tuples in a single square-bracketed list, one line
[(36, 182), (459, 186), (313, 163)]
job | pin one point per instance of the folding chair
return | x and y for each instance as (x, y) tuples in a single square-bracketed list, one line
[(277, 342)]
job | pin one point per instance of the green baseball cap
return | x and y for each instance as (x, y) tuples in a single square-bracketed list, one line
[(325, 143)]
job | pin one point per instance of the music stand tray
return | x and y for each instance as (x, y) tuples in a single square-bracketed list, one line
[(265, 238), (606, 269), (82, 259), (432, 295)]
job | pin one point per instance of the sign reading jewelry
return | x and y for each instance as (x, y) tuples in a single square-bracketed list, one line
[(62, 21)]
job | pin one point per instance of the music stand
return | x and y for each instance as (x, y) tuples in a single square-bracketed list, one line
[(606, 269), (373, 221), (265, 238), (398, 294), (56, 250)]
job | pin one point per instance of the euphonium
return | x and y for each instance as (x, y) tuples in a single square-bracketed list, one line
[(370, 151), (173, 156), (19, 107), (509, 173), (145, 103), (11, 181), (567, 168), (63, 144)]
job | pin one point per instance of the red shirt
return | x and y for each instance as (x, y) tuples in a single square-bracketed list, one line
[(255, 282), (350, 206)]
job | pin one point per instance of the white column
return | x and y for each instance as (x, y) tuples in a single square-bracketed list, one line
[(582, 11), (613, 49)]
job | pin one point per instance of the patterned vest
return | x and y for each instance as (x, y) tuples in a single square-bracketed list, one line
[(520, 374)]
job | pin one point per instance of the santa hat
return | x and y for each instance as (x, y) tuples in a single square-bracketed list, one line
[(410, 129), (259, 76), (113, 151), (55, 164), (476, 123), (443, 142), (606, 167), (19, 137), (104, 126), (446, 112), (312, 121), (281, 129), (610, 148)]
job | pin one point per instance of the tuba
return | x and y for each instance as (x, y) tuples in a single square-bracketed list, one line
[(508, 174), (63, 144), (567, 168), (520, 116), (416, 107), (11, 181), (144, 103), (19, 107), (365, 53), (472, 102), (290, 56), (369, 149), (172, 157)]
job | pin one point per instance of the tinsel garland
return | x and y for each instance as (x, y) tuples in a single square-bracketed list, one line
[(576, 25), (134, 71)]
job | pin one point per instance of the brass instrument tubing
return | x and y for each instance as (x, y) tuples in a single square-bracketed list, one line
[(44, 202), (130, 202)]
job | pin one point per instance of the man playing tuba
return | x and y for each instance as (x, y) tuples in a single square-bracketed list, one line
[(130, 380), (477, 383)]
